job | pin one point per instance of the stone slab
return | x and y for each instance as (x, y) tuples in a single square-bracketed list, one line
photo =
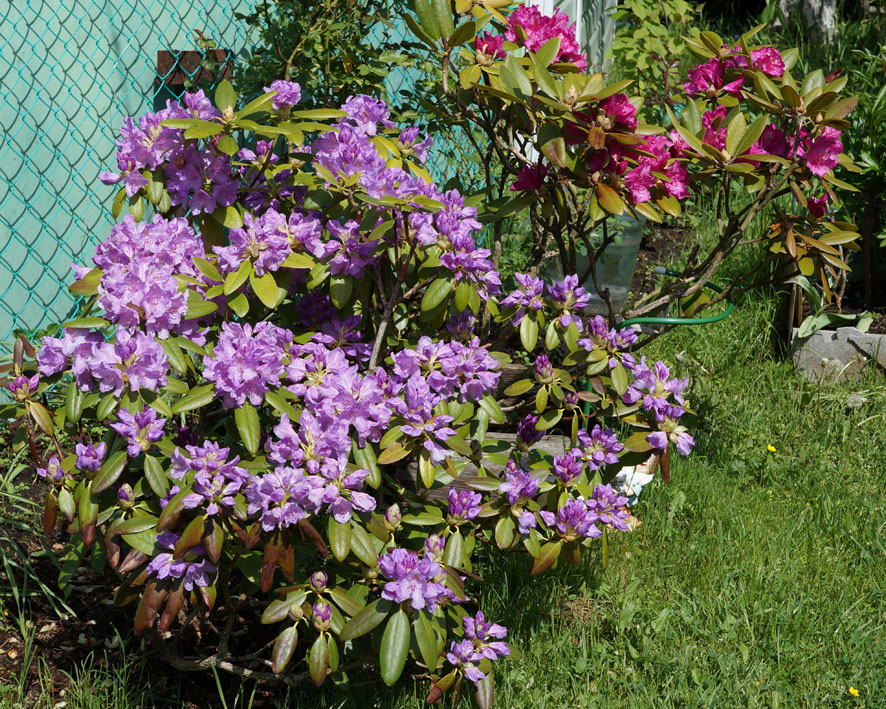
[(837, 355)]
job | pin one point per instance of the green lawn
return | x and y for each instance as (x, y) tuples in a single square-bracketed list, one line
[(756, 579)]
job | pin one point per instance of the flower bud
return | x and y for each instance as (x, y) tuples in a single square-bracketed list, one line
[(322, 615), (393, 516), (571, 96), (125, 496), (22, 387), (527, 433), (434, 546), (319, 579), (370, 573), (53, 471), (295, 612), (544, 370)]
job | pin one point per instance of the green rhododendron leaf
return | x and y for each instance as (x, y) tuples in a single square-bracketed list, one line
[(284, 646), (394, 647)]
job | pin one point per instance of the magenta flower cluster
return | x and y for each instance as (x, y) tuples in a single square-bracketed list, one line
[(528, 27)]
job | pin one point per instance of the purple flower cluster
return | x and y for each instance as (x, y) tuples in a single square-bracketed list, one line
[(56, 353), (461, 325), (483, 640), (671, 430), (246, 360), (345, 335), (22, 386), (89, 456), (518, 484), (263, 241), (348, 151), (413, 579), (527, 298), (281, 496), (288, 93), (568, 467), (351, 252), (576, 520), (53, 471), (215, 479), (420, 420), (464, 505), (135, 361), (654, 387), (544, 370), (610, 507), (569, 300), (140, 429), (450, 368), (148, 144), (599, 447), (198, 178), (580, 518), (319, 447), (201, 180), (192, 572), (139, 263), (527, 434), (411, 143), (366, 114), (614, 342)]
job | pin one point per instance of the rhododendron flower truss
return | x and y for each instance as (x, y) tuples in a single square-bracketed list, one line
[(289, 396)]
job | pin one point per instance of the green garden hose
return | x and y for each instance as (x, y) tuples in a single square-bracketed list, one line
[(680, 321), (672, 321)]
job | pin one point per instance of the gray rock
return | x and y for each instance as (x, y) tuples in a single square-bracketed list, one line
[(837, 355)]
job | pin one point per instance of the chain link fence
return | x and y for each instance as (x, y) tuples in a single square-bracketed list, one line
[(70, 72)]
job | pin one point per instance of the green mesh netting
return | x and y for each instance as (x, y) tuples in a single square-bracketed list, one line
[(70, 72)]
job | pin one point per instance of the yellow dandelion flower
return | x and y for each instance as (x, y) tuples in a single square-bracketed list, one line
[(853, 691), (770, 448)]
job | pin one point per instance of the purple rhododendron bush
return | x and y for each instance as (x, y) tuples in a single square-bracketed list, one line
[(306, 318), (267, 366)]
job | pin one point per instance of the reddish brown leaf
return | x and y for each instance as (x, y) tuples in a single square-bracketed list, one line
[(133, 560), (170, 514), (287, 561), (665, 468), (112, 548), (269, 564), (88, 534), (174, 603), (207, 595), (191, 537), (152, 598), (311, 533), (435, 695), (50, 513), (214, 540), (129, 590)]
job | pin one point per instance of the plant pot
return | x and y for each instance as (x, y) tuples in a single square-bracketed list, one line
[(615, 270), (837, 355)]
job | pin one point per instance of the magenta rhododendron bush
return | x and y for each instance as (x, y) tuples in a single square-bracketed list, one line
[(287, 351), (752, 141)]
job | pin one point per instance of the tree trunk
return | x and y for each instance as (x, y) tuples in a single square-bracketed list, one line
[(820, 15)]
